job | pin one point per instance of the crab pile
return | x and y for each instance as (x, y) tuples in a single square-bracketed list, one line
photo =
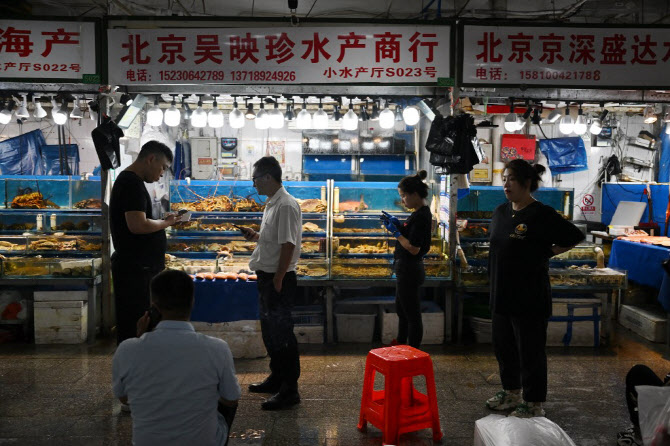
[(33, 200), (89, 203), (312, 205), (220, 203)]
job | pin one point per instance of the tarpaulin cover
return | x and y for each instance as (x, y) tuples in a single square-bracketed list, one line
[(642, 261), (565, 155), (613, 193), (51, 155), (664, 167), (225, 301), (21, 155)]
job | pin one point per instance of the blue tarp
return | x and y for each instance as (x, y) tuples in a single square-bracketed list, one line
[(642, 261), (21, 155), (51, 156), (613, 193), (225, 301), (664, 164), (564, 155)]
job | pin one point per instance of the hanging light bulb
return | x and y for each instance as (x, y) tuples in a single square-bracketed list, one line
[(22, 112), (59, 116), (398, 113), (39, 110), (304, 118), (199, 116), (262, 121), (411, 115), (187, 109), (155, 114), (386, 118), (580, 123), (597, 123), (215, 116), (350, 120), (172, 115), (337, 115), (5, 113), (249, 114), (276, 117), (320, 118), (649, 115), (236, 117), (566, 125), (375, 111), (511, 120), (666, 116), (289, 115), (363, 115), (76, 111)]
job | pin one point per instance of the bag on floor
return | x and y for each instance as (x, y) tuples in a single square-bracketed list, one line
[(499, 430), (653, 405)]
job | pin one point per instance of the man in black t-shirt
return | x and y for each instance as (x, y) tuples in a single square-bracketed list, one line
[(138, 236)]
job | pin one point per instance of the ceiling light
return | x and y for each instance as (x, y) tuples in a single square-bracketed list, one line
[(172, 116), (249, 114), (199, 116), (649, 115), (386, 118), (304, 119), (276, 117), (597, 123), (289, 115), (236, 117), (262, 121), (22, 112), (337, 115), (215, 116), (76, 111), (350, 120), (320, 118), (511, 120), (155, 115), (398, 113), (411, 115), (39, 110), (536, 119), (554, 116), (566, 124), (126, 99), (580, 124), (187, 109), (58, 115), (5, 113), (93, 109), (363, 115), (375, 111)]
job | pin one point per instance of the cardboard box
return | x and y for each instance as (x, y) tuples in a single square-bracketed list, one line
[(481, 173)]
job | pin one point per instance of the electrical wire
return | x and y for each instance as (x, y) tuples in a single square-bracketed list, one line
[(310, 9)]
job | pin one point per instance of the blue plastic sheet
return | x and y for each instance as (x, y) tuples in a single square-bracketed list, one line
[(664, 165), (643, 262), (21, 155), (225, 301), (565, 155), (613, 193), (52, 155)]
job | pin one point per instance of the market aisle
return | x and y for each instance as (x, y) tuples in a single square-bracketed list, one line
[(60, 395)]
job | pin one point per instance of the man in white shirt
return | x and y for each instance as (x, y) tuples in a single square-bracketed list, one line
[(179, 383), (274, 260)]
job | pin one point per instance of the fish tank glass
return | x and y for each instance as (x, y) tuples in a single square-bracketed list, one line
[(34, 192), (86, 194)]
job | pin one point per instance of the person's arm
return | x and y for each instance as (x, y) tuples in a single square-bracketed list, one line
[(249, 234), (404, 242), (138, 223), (285, 257), (565, 235)]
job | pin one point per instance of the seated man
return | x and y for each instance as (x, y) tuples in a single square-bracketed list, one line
[(176, 381)]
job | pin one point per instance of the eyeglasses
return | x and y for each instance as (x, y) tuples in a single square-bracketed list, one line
[(258, 176)]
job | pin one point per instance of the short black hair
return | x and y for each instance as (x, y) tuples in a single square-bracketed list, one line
[(172, 290), (155, 148), (526, 173), (414, 183), (269, 165)]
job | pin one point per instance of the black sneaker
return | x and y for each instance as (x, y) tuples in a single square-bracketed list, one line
[(267, 386), (281, 401), (628, 438)]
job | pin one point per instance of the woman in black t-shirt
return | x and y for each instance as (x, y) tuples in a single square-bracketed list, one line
[(413, 243), (524, 234)]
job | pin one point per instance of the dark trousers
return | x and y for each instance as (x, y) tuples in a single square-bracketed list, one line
[(519, 345), (277, 329), (639, 375), (410, 276), (131, 295)]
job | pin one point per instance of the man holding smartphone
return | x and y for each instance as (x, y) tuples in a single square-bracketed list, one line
[(274, 260)]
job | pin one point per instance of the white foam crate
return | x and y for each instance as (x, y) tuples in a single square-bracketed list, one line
[(60, 322), (355, 327), (647, 321), (433, 327)]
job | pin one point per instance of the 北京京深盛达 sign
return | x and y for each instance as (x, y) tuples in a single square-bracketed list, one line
[(590, 57), (41, 49), (323, 55)]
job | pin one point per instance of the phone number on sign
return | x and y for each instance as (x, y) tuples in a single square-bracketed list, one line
[(263, 75), (566, 75), (192, 75)]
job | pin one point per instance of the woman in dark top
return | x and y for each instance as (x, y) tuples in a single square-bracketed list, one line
[(524, 234), (413, 243)]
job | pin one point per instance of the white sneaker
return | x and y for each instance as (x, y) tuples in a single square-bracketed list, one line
[(125, 408), (503, 400), (528, 410)]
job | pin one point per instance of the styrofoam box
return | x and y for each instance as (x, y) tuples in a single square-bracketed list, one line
[(309, 334), (583, 332), (482, 329), (355, 327), (646, 320), (51, 296), (61, 322), (243, 337), (433, 327)]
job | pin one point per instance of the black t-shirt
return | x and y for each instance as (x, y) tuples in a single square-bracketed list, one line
[(130, 194), (519, 255), (417, 230)]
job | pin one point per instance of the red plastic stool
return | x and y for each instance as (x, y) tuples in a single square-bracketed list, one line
[(399, 408)]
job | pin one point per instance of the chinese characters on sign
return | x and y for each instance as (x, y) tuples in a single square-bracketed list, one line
[(595, 57), (408, 54), (47, 50)]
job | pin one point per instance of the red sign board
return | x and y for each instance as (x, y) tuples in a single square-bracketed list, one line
[(518, 146)]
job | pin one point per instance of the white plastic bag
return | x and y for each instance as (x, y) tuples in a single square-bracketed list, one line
[(499, 430), (653, 405)]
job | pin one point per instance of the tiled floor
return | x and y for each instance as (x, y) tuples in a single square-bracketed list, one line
[(60, 395)]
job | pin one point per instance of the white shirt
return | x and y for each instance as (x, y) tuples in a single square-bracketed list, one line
[(282, 223), (173, 378)]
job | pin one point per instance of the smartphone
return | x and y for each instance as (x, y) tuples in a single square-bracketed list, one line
[(154, 317), (182, 212), (242, 230)]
